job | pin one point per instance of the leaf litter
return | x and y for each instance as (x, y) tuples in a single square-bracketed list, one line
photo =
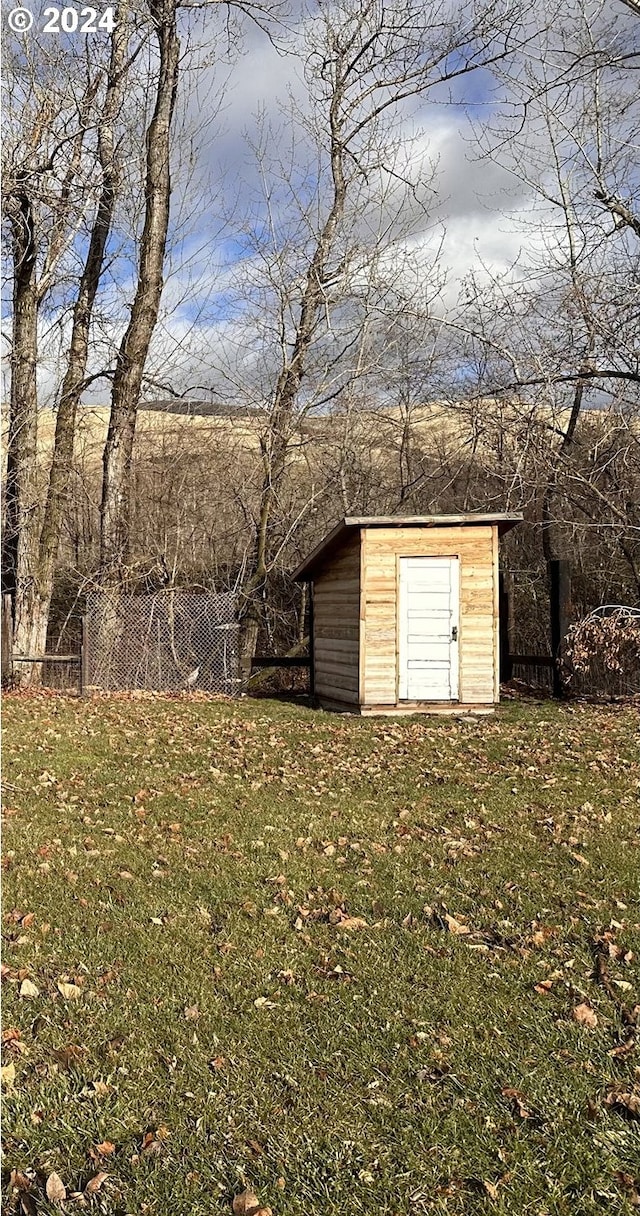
[(528, 934)]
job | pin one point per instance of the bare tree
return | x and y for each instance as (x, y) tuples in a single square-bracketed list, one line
[(365, 66), (115, 508), (134, 348), (60, 166), (560, 333)]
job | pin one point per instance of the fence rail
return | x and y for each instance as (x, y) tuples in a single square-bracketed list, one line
[(263, 660), (45, 658), (531, 660)]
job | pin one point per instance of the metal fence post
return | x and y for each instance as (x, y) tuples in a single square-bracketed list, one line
[(84, 659)]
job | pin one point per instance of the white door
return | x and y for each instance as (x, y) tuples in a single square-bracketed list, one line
[(428, 624)]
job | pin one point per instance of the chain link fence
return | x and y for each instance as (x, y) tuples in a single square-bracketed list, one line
[(166, 642), (602, 661)]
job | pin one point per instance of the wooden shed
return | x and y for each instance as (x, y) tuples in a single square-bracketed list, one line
[(406, 613)]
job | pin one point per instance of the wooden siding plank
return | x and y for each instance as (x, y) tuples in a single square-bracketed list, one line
[(331, 688), (337, 645)]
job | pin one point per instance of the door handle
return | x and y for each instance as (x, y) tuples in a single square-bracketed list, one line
[(454, 633)]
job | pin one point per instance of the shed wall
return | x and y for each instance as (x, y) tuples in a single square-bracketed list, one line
[(476, 548), (336, 612)]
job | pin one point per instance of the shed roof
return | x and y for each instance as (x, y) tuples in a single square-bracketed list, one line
[(334, 539)]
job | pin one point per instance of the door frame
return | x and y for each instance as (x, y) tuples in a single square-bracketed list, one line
[(454, 648)]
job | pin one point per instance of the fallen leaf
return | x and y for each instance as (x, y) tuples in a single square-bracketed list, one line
[(248, 1204), (150, 1145), (19, 1181), (192, 1013), (69, 1057), (455, 926), (96, 1089), (55, 1188), (585, 1016), (518, 1099), (94, 1184), (263, 1002), (107, 977), (104, 1149), (8, 1075), (11, 1035), (623, 1099), (630, 1185), (622, 1049), (353, 922), (491, 1189), (70, 992), (245, 1204), (28, 989)]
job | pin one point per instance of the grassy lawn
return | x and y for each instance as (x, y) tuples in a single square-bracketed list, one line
[(381, 967)]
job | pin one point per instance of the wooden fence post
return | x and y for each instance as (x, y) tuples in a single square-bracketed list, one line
[(507, 607), (312, 669), (560, 612), (7, 640)]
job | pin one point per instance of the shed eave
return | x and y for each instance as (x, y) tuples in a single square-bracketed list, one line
[(306, 570)]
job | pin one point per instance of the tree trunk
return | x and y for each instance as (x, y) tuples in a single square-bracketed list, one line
[(20, 539), (35, 597), (275, 445), (249, 629), (552, 546), (115, 508)]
